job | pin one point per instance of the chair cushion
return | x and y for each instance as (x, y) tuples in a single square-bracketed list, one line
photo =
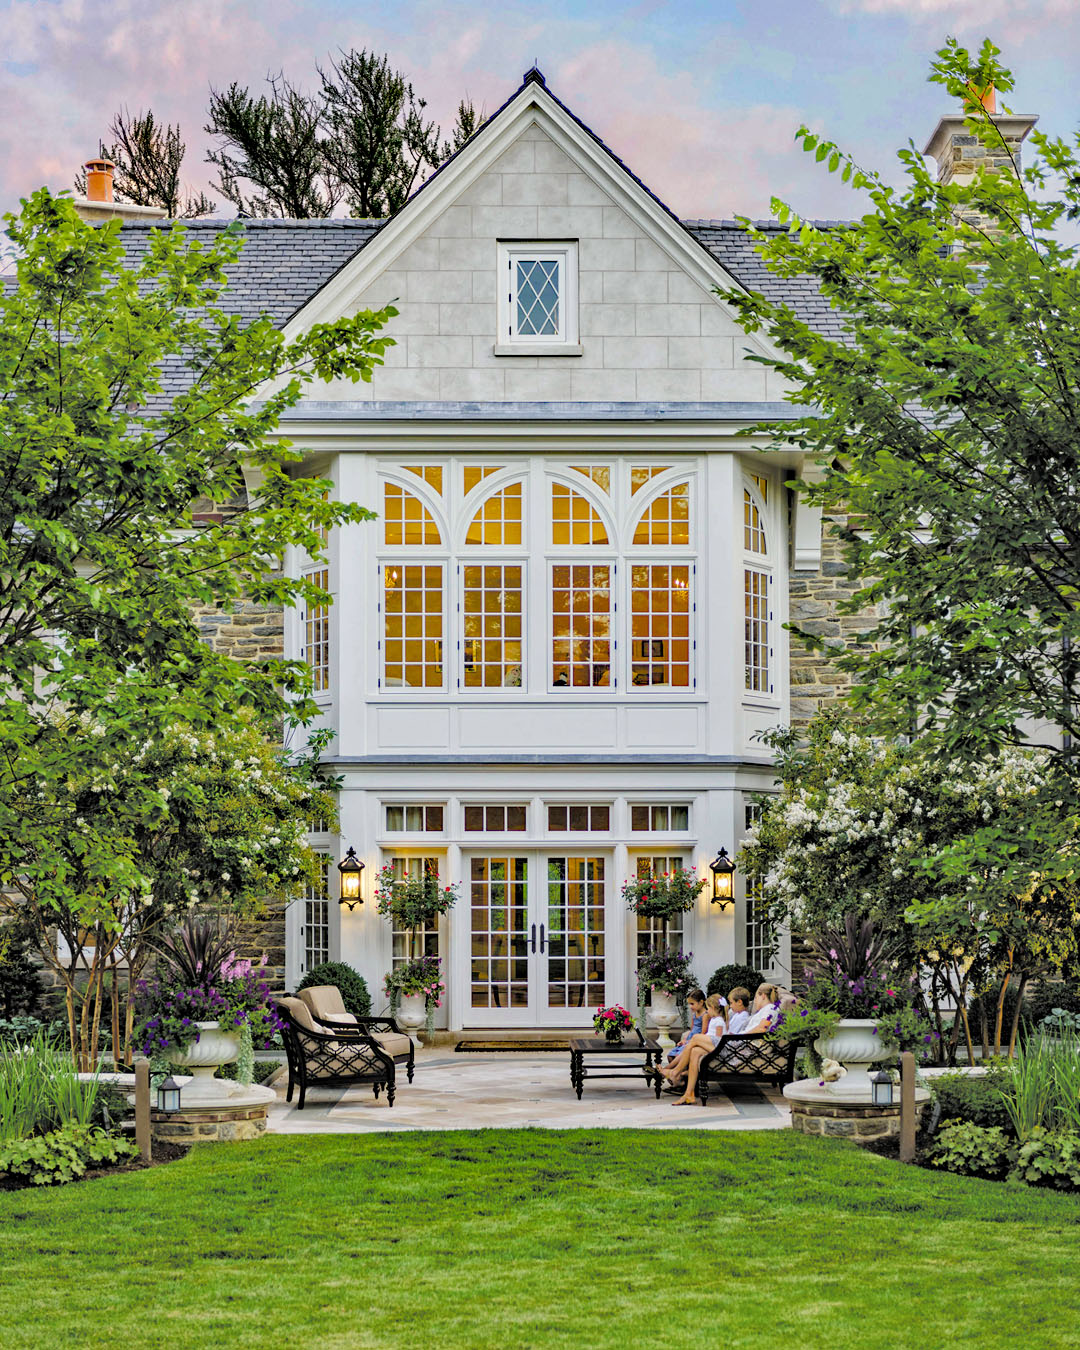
[(300, 1013), (392, 1043), (339, 1019), (324, 1000)]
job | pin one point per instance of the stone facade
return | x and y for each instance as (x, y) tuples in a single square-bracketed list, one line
[(860, 1124), (225, 1124)]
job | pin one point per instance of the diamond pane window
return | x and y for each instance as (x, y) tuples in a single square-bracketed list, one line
[(538, 297), (492, 618)]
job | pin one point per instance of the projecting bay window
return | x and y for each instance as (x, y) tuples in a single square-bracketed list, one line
[(492, 637), (756, 586), (413, 626), (581, 625)]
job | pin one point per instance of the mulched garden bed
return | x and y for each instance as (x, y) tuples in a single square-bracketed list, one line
[(162, 1153)]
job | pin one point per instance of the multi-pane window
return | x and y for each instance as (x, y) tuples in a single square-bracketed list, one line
[(753, 527), (476, 473), (657, 818), (761, 942), (756, 601), (414, 819), (538, 300), (581, 625), (651, 932), (660, 625), (317, 917), (574, 519), (644, 474), (574, 819), (425, 941), (413, 626), (600, 474), (432, 474), (499, 951), (498, 521), (316, 634), (406, 520), (495, 819), (575, 933), (666, 521), (492, 618), (762, 485)]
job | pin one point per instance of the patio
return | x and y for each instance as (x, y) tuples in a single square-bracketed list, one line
[(515, 1091)]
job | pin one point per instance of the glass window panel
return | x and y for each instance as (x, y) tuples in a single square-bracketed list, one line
[(317, 917), (498, 889), (406, 520), (574, 520), (498, 522), (753, 529), (575, 901), (425, 941), (600, 817), (537, 297), (581, 613), (659, 653), (433, 818), (579, 817), (666, 521), (413, 626), (316, 634), (650, 932), (431, 474), (515, 818), (761, 943), (474, 818), (641, 476), (639, 818), (680, 817), (755, 589), (762, 485), (476, 473), (491, 641), (556, 818), (395, 818), (600, 474)]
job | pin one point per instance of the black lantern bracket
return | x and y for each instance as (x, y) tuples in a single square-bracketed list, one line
[(351, 869), (723, 870)]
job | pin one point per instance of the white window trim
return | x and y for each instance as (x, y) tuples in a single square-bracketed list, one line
[(566, 342)]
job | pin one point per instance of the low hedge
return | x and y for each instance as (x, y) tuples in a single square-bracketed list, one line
[(351, 985), (726, 978)]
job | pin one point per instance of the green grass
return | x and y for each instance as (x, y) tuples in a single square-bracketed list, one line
[(529, 1238)]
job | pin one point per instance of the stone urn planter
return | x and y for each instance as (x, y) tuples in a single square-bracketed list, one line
[(665, 1015), (201, 1060), (855, 1044), (412, 1015)]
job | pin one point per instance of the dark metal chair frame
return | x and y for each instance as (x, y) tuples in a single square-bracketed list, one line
[(738, 1059), (315, 1059), (372, 1024)]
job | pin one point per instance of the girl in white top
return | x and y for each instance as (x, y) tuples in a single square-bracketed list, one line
[(707, 1039), (766, 1004)]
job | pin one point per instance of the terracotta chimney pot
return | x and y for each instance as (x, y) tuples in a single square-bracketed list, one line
[(986, 96), (99, 180)]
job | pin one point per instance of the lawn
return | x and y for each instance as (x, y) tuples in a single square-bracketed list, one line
[(529, 1238)]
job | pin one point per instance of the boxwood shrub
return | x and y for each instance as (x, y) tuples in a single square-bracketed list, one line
[(726, 978), (351, 985)]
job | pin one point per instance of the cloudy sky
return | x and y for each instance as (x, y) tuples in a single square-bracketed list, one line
[(700, 97)]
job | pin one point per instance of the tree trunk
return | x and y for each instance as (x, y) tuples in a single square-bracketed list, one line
[(1000, 1015), (984, 1029), (1017, 1012)]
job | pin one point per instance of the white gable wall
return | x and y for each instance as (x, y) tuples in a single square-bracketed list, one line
[(648, 330)]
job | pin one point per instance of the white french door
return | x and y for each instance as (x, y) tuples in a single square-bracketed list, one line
[(537, 939)]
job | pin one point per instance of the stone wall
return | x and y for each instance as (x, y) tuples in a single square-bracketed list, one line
[(815, 680)]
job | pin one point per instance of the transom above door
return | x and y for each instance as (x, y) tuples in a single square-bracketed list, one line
[(537, 938)]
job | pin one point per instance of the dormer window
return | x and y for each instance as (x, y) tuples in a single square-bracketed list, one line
[(538, 299)]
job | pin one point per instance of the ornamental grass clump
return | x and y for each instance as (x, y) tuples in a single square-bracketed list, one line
[(39, 1090)]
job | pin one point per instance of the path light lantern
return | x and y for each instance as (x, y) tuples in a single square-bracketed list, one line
[(723, 879), (351, 869), (881, 1088), (168, 1095)]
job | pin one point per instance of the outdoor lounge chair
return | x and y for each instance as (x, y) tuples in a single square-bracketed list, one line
[(321, 1058), (328, 1011), (747, 1059)]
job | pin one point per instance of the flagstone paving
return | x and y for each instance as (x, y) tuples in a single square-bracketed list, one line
[(516, 1091)]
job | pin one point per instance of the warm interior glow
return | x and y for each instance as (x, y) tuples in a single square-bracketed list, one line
[(406, 520), (413, 626), (492, 602), (498, 521), (667, 520), (581, 626), (574, 519)]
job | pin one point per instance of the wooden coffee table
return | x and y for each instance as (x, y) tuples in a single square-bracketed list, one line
[(589, 1053)]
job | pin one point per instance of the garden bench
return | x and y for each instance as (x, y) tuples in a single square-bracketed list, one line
[(746, 1058), (342, 1057)]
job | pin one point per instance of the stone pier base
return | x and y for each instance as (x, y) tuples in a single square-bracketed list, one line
[(814, 1110), (230, 1118)]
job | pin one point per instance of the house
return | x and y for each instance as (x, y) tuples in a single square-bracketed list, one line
[(550, 660)]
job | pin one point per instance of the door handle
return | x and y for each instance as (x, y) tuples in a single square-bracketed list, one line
[(541, 938), (534, 937)]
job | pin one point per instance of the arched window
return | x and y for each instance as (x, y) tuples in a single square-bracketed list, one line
[(757, 591), (666, 521), (753, 526), (574, 520), (498, 521), (406, 520)]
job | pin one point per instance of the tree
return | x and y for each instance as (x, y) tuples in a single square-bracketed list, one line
[(214, 820), (947, 425), (148, 157), (100, 566), (274, 143), (969, 866), (467, 123), (378, 141)]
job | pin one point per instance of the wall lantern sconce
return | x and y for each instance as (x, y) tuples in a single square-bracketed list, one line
[(168, 1095), (881, 1088), (723, 879), (351, 869)]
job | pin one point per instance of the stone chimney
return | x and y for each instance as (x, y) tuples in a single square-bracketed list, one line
[(98, 205), (959, 153)]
